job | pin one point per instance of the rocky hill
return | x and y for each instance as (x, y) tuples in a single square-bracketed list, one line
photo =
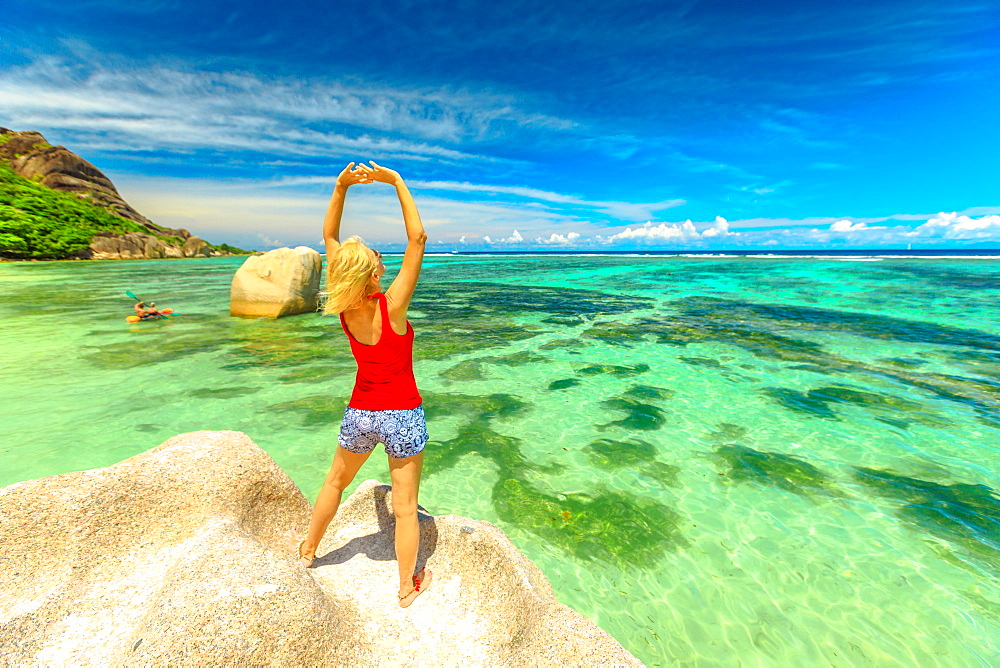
[(54, 204)]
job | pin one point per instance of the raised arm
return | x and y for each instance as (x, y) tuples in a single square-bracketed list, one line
[(401, 290), (334, 212)]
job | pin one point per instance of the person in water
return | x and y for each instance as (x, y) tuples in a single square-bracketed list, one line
[(385, 406), (146, 312)]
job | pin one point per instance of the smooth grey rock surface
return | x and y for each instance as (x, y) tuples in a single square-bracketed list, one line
[(195, 247), (281, 282), (182, 555)]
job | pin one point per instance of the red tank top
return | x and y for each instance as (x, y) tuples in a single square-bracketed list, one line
[(385, 369)]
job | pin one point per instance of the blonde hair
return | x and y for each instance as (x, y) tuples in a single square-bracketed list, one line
[(348, 276)]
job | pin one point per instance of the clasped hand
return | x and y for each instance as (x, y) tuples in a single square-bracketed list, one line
[(367, 174)]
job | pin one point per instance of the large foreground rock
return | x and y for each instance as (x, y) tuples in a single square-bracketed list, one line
[(180, 556), (284, 281)]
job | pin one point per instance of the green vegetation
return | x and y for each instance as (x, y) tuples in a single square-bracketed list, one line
[(601, 525), (636, 453), (472, 317), (638, 414), (318, 410), (761, 330), (230, 249), (563, 383), (966, 517), (892, 410), (40, 223), (473, 369), (476, 407), (773, 469), (604, 525)]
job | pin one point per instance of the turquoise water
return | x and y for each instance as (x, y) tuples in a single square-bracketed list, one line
[(721, 461)]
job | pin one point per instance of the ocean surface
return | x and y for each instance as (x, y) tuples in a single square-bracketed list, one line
[(722, 461)]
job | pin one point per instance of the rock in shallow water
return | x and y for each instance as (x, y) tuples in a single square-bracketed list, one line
[(284, 281), (180, 555)]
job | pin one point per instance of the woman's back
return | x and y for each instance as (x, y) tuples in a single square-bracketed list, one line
[(365, 322), (385, 363)]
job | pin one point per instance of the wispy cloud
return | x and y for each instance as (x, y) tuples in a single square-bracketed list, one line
[(177, 108), (618, 210), (631, 211)]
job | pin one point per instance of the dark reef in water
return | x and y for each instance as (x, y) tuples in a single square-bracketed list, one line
[(633, 453), (820, 402), (319, 410), (761, 330), (606, 525), (638, 415), (474, 316), (965, 516), (773, 469), (615, 370)]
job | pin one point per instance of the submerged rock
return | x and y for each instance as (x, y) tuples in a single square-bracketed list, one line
[(180, 555), (284, 281)]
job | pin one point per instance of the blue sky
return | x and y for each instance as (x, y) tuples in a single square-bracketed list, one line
[(524, 125)]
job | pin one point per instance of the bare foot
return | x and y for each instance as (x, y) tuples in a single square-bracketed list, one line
[(306, 557), (421, 581), (293, 543)]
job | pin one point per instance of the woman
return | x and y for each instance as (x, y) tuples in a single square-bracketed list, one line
[(385, 405)]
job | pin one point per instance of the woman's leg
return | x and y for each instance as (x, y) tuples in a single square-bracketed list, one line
[(346, 465), (405, 475)]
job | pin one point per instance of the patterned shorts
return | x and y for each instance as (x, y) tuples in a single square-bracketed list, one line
[(403, 432)]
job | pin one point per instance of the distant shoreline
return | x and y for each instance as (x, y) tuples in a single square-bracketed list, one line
[(981, 253), (855, 253)]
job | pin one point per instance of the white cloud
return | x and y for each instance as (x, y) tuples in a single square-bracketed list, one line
[(558, 239), (661, 232), (674, 232), (955, 226), (943, 229), (514, 238), (847, 226), (487, 239), (267, 241), (719, 229)]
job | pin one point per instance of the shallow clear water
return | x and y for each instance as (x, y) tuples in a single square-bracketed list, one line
[(721, 461)]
